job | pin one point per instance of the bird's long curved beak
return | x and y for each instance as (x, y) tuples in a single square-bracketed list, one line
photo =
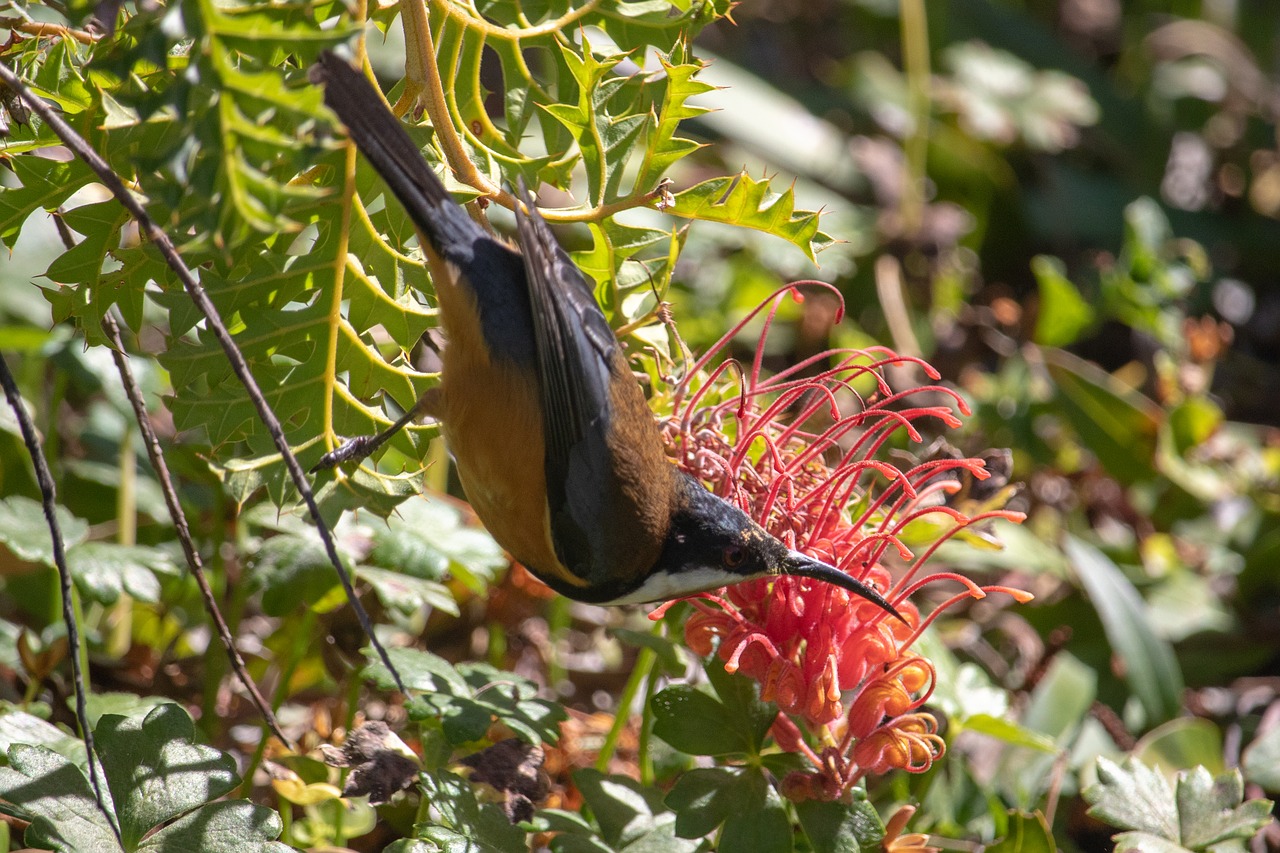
[(804, 566)]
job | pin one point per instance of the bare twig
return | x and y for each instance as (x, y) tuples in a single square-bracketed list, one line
[(112, 181), (48, 497), (194, 562)]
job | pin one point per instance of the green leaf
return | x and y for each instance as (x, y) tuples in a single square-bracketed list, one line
[(630, 816), (1063, 312), (1009, 732), (56, 796), (1115, 422), (694, 721), (25, 531), (763, 826), (292, 570), (841, 827), (704, 797), (662, 147), (154, 775), (104, 570), (749, 203), (1182, 742), (469, 696), (46, 184), (1203, 811), (428, 538), (1192, 422), (156, 772), (1261, 760), (407, 594), (231, 826), (1150, 667), (1212, 810), (464, 820), (1133, 796)]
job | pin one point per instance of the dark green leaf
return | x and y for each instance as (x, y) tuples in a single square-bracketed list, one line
[(840, 827), (1149, 663)]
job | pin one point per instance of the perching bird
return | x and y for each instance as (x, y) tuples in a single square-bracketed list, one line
[(555, 444)]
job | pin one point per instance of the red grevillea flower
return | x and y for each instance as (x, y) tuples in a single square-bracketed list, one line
[(803, 452)]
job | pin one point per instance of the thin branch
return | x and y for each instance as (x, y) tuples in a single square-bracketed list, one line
[(194, 562), (48, 497), (112, 181), (546, 28), (43, 29)]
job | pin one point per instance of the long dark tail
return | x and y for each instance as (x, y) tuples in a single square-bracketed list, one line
[(383, 141)]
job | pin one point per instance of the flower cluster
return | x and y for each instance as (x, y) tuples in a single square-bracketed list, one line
[(802, 451)]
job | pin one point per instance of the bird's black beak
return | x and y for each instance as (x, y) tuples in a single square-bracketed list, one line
[(804, 566)]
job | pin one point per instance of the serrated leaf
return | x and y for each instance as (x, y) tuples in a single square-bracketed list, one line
[(56, 796), (749, 203), (46, 184), (662, 147), (1212, 810), (153, 773), (1133, 796)]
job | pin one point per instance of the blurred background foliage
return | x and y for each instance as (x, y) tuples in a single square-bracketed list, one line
[(1070, 207)]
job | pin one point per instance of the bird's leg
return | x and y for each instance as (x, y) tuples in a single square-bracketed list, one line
[(358, 448)]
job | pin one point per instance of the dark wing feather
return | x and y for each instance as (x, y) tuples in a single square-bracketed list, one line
[(576, 353), (489, 267)]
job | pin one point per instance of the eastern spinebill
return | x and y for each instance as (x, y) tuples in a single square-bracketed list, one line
[(554, 442)]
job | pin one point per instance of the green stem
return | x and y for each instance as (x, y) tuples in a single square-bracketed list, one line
[(302, 639), (915, 60), (639, 675)]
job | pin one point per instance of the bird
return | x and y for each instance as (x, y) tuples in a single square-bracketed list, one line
[(554, 442)]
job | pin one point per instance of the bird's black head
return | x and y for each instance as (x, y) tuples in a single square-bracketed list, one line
[(712, 543)]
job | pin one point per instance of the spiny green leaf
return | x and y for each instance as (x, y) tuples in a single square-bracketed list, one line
[(744, 201), (663, 148)]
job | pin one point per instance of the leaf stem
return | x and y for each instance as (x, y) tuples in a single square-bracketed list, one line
[(645, 660), (915, 59)]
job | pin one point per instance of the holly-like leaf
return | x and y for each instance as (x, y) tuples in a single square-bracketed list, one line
[(749, 203)]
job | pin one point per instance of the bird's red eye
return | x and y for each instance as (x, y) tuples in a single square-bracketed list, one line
[(734, 556)]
